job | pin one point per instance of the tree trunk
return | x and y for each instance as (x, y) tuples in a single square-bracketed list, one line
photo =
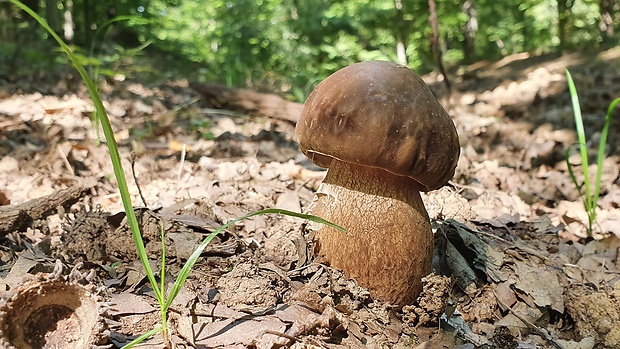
[(7, 21), (401, 33), (52, 15), (69, 26), (33, 5), (606, 23), (435, 46), (90, 12), (565, 22), (469, 29), (520, 13)]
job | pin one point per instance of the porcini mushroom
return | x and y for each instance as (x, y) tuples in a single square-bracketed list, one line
[(384, 138)]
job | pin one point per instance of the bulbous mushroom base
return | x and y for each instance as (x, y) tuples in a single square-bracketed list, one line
[(388, 245)]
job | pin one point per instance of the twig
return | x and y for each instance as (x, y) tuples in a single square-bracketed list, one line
[(543, 333), (183, 152), (281, 334), (592, 270), (135, 178), (473, 187), (65, 160)]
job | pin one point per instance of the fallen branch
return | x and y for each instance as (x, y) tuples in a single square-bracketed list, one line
[(249, 102), (20, 217)]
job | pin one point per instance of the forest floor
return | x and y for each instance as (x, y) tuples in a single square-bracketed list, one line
[(509, 228)]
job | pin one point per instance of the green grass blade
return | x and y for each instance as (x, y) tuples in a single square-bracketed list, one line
[(162, 275), (184, 273), (111, 143), (572, 175), (142, 338), (581, 136), (601, 151), (94, 72), (106, 25)]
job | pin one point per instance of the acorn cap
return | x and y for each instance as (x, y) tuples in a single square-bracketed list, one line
[(380, 114)]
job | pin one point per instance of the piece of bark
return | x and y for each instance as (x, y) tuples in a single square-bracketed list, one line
[(19, 217), (249, 102)]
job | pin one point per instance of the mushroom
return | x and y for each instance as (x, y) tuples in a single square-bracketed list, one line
[(384, 138)]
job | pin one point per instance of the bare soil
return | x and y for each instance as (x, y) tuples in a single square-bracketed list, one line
[(514, 265)]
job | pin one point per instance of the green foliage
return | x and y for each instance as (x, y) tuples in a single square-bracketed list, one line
[(589, 193), (286, 44), (203, 126), (289, 45)]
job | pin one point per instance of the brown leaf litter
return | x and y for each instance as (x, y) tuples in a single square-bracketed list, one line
[(513, 266)]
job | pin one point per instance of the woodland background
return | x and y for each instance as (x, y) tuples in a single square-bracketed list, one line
[(288, 46)]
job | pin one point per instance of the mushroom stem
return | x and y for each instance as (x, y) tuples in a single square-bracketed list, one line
[(388, 245)]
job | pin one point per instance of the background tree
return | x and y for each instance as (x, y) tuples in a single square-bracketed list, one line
[(610, 16), (470, 28), (289, 45), (565, 22), (434, 42)]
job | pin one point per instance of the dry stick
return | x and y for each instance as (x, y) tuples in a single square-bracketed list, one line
[(297, 271), (281, 334), (543, 333), (135, 178), (183, 153), (65, 160), (592, 270), (274, 269), (472, 187)]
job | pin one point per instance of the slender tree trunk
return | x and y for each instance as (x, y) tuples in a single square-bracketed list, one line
[(401, 33), (523, 19), (9, 24), (90, 12), (53, 15), (69, 26), (606, 23), (33, 5), (434, 21), (469, 29), (565, 22), (6, 21)]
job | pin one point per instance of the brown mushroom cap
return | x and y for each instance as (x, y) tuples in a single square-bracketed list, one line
[(380, 114)]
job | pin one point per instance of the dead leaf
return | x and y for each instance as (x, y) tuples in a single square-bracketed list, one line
[(185, 243), (492, 205), (486, 258), (541, 284), (129, 303), (232, 333)]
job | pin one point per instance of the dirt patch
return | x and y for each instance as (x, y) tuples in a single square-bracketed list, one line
[(596, 313)]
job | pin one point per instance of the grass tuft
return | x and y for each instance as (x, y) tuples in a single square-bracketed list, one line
[(588, 191)]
